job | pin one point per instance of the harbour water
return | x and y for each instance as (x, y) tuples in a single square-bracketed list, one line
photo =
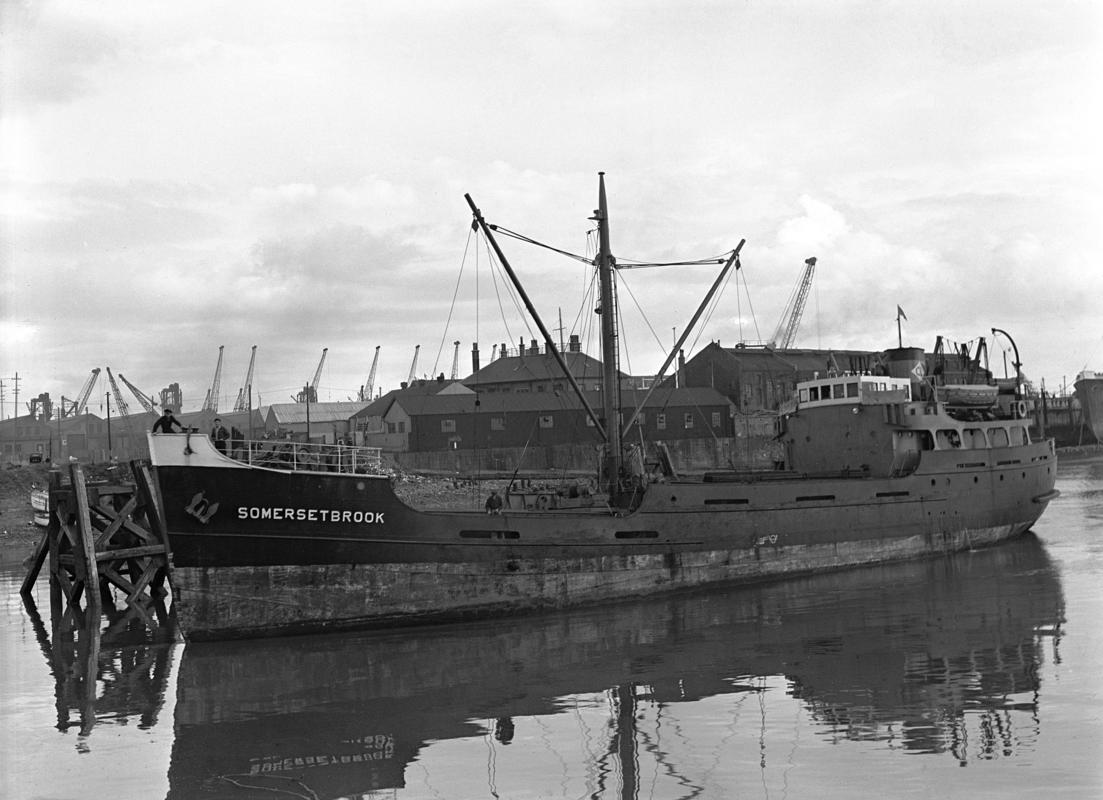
[(971, 676)]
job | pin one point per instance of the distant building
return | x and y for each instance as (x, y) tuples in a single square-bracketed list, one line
[(326, 423), (533, 369), (760, 379), (498, 419)]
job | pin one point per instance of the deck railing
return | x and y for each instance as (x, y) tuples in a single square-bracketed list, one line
[(307, 456)]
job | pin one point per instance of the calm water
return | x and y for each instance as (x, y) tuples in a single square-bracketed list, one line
[(974, 676)]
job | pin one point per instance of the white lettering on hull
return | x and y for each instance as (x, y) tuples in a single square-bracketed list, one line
[(311, 515)]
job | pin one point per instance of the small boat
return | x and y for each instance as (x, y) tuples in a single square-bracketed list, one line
[(876, 469), (40, 498), (971, 395), (41, 518)]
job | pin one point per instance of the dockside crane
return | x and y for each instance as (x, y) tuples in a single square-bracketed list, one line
[(146, 402), (309, 394), (76, 407), (211, 403), (413, 365), (794, 309), (120, 401), (245, 393), (368, 389), (455, 362)]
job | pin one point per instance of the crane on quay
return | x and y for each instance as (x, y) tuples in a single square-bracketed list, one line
[(74, 408), (146, 402), (120, 401), (413, 366), (309, 394), (211, 403), (245, 393), (794, 309), (456, 361), (368, 389)]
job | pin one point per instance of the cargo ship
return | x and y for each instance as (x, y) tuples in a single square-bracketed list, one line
[(1089, 392), (876, 468)]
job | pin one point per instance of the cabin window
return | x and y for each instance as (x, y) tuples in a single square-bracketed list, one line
[(1018, 436), (947, 439), (687, 420), (973, 439), (998, 437), (813, 392), (839, 391), (804, 395), (926, 441), (547, 421), (852, 389), (497, 423), (447, 426), (660, 421)]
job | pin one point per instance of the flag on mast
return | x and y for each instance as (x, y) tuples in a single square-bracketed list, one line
[(900, 313)]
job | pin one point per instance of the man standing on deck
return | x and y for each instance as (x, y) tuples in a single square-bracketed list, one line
[(219, 435), (166, 421)]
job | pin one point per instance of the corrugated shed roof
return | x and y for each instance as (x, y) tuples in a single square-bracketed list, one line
[(295, 413)]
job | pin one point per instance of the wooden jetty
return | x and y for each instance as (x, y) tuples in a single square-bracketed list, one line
[(105, 540), (102, 535)]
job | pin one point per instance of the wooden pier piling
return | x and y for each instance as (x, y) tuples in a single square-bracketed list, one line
[(103, 535)]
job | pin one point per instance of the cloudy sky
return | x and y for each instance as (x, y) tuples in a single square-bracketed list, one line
[(180, 176)]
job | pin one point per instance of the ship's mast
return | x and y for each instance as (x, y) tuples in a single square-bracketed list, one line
[(610, 379)]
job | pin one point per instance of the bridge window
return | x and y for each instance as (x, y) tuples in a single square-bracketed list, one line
[(1018, 436), (852, 389), (947, 439), (974, 439), (998, 437)]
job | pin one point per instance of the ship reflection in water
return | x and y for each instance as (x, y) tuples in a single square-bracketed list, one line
[(938, 657)]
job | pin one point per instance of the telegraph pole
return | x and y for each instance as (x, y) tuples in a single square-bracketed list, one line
[(15, 380)]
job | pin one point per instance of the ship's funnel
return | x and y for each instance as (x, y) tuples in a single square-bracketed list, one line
[(907, 362)]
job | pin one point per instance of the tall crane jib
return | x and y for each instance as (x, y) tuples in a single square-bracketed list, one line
[(413, 365), (455, 361), (794, 309), (368, 388), (211, 403), (309, 394), (120, 401), (147, 403), (76, 408), (245, 393)]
